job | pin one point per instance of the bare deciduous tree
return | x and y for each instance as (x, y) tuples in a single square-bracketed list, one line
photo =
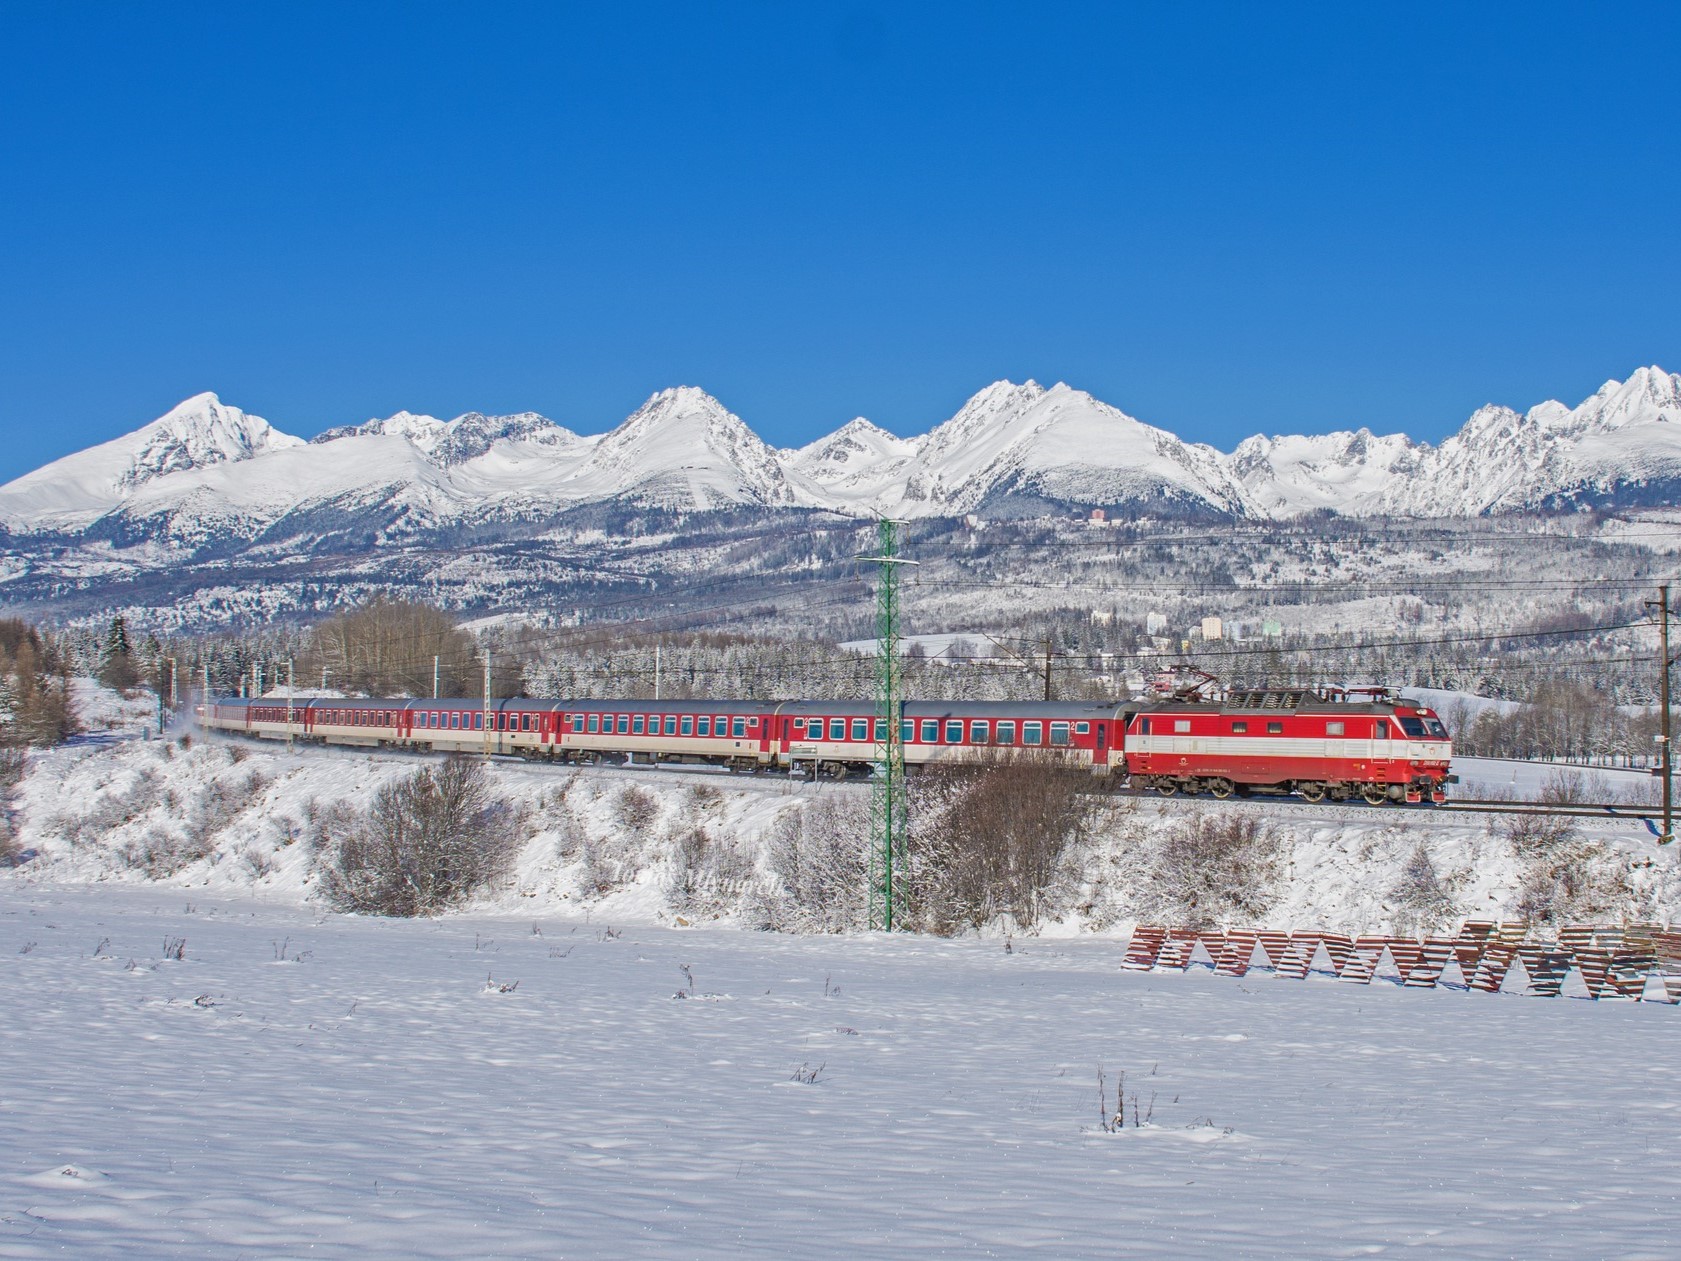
[(991, 842), (387, 648)]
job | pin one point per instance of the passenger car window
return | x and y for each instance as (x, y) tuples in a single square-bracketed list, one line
[(1060, 733), (1033, 733), (930, 731), (954, 731), (860, 728), (1006, 733)]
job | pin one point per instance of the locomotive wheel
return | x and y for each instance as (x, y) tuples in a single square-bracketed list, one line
[(1374, 794), (1220, 788), (1166, 787), (1311, 792)]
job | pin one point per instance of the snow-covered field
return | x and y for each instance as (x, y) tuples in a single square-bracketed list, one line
[(342, 1087)]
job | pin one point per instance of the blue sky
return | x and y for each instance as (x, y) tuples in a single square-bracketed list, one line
[(1222, 218)]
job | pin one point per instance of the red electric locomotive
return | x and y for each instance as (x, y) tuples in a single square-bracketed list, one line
[(1364, 742)]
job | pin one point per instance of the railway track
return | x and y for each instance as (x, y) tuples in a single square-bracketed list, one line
[(1571, 810)]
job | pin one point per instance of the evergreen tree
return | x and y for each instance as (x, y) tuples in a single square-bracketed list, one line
[(117, 668)]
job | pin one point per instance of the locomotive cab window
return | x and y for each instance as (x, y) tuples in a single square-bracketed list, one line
[(1412, 727), (1275, 728)]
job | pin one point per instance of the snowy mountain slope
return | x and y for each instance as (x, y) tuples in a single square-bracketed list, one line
[(201, 432), (1013, 448), (448, 443), (681, 449), (208, 475), (1623, 444), (1287, 476), (859, 465)]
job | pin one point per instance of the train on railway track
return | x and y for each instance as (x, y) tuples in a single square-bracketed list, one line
[(1368, 744)]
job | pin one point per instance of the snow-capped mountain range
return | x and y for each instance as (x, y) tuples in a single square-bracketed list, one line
[(207, 470)]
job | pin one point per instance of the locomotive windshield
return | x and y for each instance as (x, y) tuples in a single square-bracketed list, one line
[(1422, 728)]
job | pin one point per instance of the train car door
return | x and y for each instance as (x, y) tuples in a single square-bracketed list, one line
[(1380, 747), (1100, 744)]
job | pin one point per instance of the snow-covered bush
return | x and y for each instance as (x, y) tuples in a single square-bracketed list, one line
[(1564, 878), (817, 860), (427, 841), (708, 875), (11, 775), (637, 808), (1205, 869), (1422, 900)]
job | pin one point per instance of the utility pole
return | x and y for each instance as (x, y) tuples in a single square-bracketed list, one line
[(656, 672), (487, 722), (1666, 764), (291, 680), (174, 692), (888, 813), (434, 678), (323, 678), (1047, 668)]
